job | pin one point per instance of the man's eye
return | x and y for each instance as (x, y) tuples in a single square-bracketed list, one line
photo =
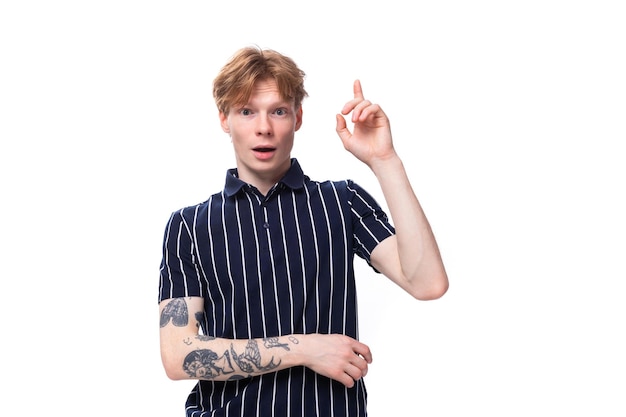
[(245, 112), (281, 112)]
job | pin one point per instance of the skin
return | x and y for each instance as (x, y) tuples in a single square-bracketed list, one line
[(262, 133)]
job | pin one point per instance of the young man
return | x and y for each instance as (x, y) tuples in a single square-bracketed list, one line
[(257, 293)]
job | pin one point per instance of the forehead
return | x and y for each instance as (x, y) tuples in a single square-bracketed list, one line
[(267, 91)]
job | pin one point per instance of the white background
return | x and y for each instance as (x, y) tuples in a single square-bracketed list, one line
[(510, 118)]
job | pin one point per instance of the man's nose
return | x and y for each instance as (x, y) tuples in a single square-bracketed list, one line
[(264, 126)]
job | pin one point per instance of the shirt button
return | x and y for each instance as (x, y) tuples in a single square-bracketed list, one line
[(266, 225)]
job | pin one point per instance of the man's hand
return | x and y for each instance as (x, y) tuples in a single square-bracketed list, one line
[(371, 139), (336, 356)]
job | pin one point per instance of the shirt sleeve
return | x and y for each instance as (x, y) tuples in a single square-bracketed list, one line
[(179, 275), (370, 223)]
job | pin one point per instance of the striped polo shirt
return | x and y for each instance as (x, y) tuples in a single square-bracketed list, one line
[(269, 266)]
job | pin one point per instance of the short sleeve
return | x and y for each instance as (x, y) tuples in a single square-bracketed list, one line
[(179, 274), (369, 222)]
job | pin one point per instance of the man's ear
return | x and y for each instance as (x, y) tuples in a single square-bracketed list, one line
[(299, 118), (224, 122)]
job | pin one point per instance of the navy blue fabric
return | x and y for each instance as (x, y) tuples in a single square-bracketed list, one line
[(269, 266)]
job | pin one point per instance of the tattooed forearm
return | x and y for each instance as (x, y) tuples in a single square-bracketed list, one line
[(207, 364), (176, 311), (250, 359)]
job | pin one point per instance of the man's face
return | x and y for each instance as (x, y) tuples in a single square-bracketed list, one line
[(262, 131)]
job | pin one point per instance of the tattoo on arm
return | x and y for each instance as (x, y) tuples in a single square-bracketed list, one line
[(272, 342), (176, 311), (206, 364), (198, 316), (251, 358)]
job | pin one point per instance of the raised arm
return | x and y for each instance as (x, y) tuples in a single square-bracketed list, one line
[(188, 354), (411, 258)]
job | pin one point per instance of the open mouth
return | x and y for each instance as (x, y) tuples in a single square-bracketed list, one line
[(264, 153)]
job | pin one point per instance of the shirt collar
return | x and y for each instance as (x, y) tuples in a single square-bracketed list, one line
[(294, 179)]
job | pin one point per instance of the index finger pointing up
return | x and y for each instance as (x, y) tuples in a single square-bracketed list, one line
[(358, 91)]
